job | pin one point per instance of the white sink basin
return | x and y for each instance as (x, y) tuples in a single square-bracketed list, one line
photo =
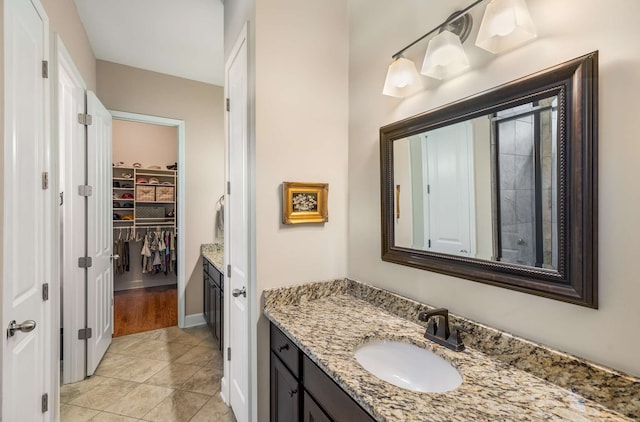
[(408, 366)]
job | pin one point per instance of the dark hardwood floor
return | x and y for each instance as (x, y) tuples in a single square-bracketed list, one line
[(145, 309)]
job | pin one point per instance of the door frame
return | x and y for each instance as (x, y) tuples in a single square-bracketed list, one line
[(74, 366), (180, 198)]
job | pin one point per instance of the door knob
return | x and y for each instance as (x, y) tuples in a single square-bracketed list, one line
[(238, 292), (115, 257), (25, 327)]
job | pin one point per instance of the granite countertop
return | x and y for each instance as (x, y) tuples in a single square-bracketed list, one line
[(328, 324), (214, 253)]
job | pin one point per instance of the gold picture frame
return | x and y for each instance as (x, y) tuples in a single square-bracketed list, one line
[(304, 202)]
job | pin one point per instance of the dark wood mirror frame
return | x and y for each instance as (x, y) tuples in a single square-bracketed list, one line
[(576, 85)]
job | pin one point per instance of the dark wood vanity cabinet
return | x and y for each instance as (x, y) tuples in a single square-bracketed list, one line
[(213, 294), (302, 392)]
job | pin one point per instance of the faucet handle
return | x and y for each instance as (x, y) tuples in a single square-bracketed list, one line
[(454, 338)]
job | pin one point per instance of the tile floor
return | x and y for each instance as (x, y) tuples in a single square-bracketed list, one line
[(165, 375)]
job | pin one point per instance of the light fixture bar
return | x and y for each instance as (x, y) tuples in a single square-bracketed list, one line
[(450, 19)]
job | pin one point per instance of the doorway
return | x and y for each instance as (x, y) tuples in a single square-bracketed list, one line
[(145, 294), (145, 157)]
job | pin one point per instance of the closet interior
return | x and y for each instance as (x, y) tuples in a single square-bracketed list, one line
[(144, 207)]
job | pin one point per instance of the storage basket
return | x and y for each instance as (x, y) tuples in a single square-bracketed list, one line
[(150, 212), (145, 193), (164, 193)]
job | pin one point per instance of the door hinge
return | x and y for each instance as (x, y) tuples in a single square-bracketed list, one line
[(228, 353), (85, 262), (45, 291), (228, 274), (45, 402), (84, 333), (84, 119), (45, 180), (85, 190), (428, 189), (429, 243), (45, 69), (228, 106), (228, 188)]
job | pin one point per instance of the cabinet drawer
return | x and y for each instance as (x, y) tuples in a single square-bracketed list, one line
[(338, 405), (285, 350)]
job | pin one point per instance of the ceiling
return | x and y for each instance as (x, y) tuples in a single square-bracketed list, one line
[(182, 38)]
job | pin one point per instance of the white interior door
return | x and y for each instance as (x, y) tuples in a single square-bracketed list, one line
[(71, 134), (237, 244), (99, 233), (26, 254), (450, 204)]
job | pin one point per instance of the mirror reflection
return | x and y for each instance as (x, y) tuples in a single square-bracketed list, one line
[(482, 188)]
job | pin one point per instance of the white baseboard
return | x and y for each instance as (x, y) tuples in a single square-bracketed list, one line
[(223, 389), (193, 320)]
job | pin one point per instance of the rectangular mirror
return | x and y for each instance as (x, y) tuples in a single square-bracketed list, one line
[(500, 187)]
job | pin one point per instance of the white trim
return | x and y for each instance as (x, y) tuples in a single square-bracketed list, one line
[(74, 369), (180, 124), (193, 320)]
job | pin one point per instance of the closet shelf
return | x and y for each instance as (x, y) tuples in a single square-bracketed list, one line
[(123, 209), (154, 184), (157, 173), (116, 188), (122, 178), (156, 202), (123, 199)]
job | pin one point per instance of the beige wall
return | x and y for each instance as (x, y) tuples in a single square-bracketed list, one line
[(144, 143), (301, 135), (64, 21), (565, 30), (200, 105)]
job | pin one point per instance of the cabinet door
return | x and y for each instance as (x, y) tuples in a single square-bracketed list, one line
[(285, 393), (311, 412), (207, 299), (217, 313), (221, 316), (213, 307)]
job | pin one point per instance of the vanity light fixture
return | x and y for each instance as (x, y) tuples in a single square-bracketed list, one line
[(505, 25), (402, 78)]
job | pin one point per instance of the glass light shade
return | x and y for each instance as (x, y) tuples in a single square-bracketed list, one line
[(402, 78), (505, 25), (445, 56)]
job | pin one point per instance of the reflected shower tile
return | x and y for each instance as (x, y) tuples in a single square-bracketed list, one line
[(524, 206), (507, 171), (507, 137), (546, 175), (507, 207), (524, 172), (524, 136)]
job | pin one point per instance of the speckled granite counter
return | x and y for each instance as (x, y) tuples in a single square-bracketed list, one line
[(328, 321), (214, 253)]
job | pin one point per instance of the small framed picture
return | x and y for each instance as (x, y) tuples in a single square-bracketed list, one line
[(304, 202)]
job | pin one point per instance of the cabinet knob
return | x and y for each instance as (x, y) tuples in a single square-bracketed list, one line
[(284, 347)]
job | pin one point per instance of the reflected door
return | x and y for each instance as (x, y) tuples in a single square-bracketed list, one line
[(450, 193)]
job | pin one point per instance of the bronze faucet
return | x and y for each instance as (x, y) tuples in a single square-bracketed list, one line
[(439, 331)]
